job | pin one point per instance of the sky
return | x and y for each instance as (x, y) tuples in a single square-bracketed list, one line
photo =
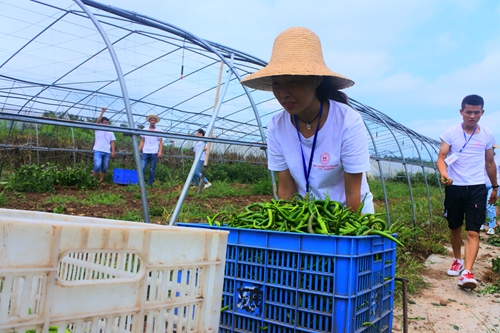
[(413, 60)]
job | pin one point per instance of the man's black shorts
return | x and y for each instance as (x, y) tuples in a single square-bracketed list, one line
[(465, 200)]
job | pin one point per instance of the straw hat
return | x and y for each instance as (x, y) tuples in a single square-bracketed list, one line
[(153, 116), (296, 51), (496, 146)]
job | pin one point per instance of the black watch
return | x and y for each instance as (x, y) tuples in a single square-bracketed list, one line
[(495, 186)]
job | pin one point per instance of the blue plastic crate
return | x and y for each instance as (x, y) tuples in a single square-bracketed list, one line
[(277, 282), (125, 176)]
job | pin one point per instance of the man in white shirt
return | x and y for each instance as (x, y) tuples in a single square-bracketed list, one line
[(151, 147), (104, 148), (466, 150)]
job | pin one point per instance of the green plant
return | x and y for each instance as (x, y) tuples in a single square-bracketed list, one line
[(495, 239), (496, 265), (131, 215), (34, 178), (81, 177), (103, 198), (61, 199), (262, 187), (59, 209)]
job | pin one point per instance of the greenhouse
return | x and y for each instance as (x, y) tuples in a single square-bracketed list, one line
[(70, 59)]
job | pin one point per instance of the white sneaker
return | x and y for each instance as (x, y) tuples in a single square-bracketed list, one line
[(491, 231), (483, 227), (207, 185), (467, 280), (456, 268)]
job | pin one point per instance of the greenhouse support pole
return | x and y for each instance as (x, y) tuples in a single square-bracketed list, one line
[(209, 145), (126, 101), (197, 157)]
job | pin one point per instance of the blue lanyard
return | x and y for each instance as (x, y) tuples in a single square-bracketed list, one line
[(465, 137), (307, 170)]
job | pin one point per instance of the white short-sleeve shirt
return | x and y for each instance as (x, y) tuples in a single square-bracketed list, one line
[(103, 141), (198, 146), (341, 146), (151, 143), (468, 169)]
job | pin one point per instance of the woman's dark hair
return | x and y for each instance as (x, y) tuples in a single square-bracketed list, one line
[(202, 132), (103, 119), (326, 91)]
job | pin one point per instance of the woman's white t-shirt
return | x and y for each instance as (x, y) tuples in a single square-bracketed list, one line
[(341, 146), (196, 147)]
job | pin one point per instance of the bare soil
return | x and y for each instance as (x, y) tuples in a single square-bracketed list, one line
[(445, 307), (131, 200)]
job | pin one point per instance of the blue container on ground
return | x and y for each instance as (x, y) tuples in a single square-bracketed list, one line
[(125, 176), (277, 282)]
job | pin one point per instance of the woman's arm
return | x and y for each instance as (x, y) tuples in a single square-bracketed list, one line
[(286, 185), (352, 185)]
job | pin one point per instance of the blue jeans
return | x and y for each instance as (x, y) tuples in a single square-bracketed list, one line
[(101, 161), (490, 210), (197, 174), (151, 159)]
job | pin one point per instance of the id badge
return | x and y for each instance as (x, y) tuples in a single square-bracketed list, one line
[(450, 159)]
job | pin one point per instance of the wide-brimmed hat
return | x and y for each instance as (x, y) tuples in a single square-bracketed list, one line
[(153, 116), (296, 51), (496, 146)]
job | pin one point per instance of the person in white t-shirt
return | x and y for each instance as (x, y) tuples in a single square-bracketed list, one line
[(151, 147), (197, 173), (318, 143), (466, 151), (104, 148), (491, 211)]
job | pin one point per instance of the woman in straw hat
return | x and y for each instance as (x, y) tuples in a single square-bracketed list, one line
[(318, 143)]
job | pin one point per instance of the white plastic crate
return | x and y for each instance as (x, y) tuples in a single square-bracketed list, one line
[(94, 275)]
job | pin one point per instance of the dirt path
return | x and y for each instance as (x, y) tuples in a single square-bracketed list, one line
[(444, 307)]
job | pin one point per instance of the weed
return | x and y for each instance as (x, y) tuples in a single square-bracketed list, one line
[(131, 215), (492, 329), (262, 187), (61, 199), (59, 209), (102, 198)]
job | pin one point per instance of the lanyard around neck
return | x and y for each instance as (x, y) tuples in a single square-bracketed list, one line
[(465, 137), (307, 170)]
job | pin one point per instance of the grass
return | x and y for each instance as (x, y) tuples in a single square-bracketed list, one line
[(103, 198), (489, 326), (61, 199)]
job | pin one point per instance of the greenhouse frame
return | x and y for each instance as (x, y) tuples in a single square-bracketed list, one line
[(62, 61)]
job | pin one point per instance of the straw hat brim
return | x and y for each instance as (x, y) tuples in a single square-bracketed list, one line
[(153, 116), (262, 79), (496, 146), (296, 51)]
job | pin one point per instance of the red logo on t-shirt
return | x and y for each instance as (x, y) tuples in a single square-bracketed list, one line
[(325, 158)]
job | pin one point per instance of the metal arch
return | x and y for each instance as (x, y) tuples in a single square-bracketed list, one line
[(140, 175), (363, 107), (197, 157), (32, 39), (386, 202), (182, 33), (424, 141), (429, 205)]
